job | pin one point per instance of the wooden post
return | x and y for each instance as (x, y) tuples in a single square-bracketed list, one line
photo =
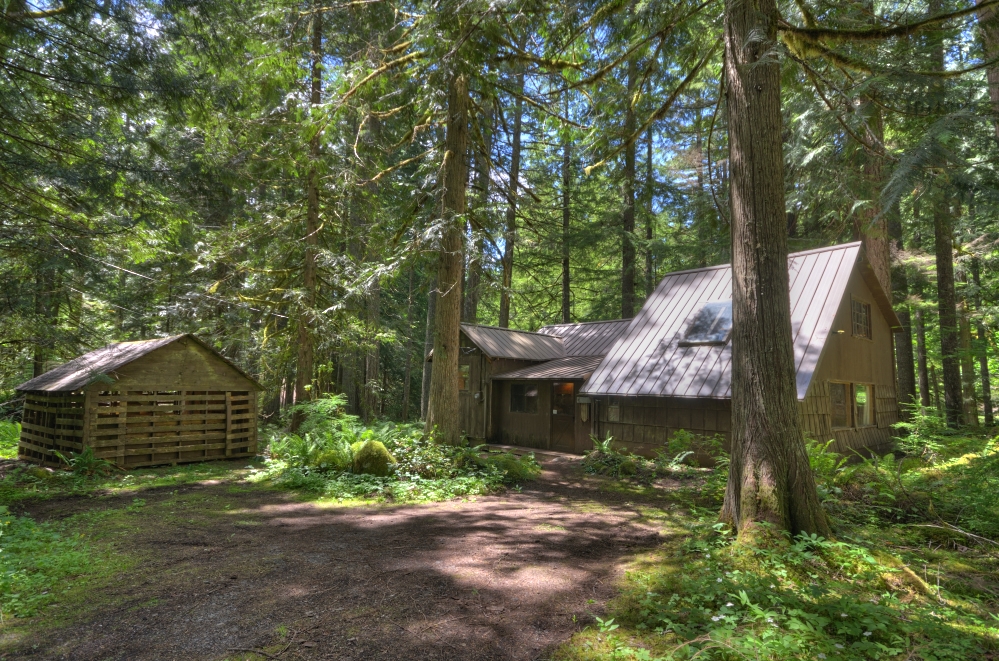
[(228, 423), (122, 429)]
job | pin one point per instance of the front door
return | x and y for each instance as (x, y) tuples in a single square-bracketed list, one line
[(563, 416)]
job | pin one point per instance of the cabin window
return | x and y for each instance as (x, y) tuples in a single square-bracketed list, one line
[(524, 398), (863, 401), (852, 404), (710, 326), (562, 398), (840, 404), (613, 414), (464, 376), (862, 319)]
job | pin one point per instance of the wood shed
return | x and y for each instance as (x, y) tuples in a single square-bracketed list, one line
[(165, 401)]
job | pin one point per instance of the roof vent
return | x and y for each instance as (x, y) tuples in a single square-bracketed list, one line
[(711, 325)]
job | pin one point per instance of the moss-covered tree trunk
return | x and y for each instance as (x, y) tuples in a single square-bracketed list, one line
[(442, 410), (770, 480)]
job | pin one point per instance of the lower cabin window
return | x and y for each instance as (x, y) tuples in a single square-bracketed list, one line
[(464, 376), (852, 404), (524, 398)]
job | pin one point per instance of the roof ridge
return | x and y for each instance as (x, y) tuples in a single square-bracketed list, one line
[(512, 330), (838, 246)]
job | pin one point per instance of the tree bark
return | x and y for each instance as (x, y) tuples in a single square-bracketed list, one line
[(947, 309), (770, 480), (408, 373), (510, 235), (372, 360), (921, 371), (428, 346), (566, 220), (874, 229), (442, 411), (905, 366), (969, 403), (628, 214), (650, 183), (983, 347), (473, 284), (988, 26), (305, 363)]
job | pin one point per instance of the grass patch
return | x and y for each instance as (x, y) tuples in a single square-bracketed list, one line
[(909, 575)]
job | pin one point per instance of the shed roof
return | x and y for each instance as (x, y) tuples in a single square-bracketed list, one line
[(648, 359), (591, 338), (507, 343), (570, 367), (84, 370)]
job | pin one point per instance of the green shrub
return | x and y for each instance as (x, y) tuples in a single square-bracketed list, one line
[(10, 434), (372, 458)]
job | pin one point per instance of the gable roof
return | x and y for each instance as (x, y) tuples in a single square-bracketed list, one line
[(84, 370), (570, 367), (519, 345), (648, 359), (591, 338)]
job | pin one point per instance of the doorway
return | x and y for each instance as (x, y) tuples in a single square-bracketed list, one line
[(563, 416)]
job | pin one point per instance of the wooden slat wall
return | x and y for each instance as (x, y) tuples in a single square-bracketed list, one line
[(647, 423), (141, 428), (52, 422)]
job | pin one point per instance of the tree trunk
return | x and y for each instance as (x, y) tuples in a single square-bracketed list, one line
[(874, 230), (428, 346), (566, 220), (510, 235), (969, 403), (988, 26), (983, 347), (936, 389), (650, 184), (372, 360), (947, 308), (407, 376), (442, 411), (473, 284), (306, 359), (769, 479), (924, 377), (628, 214), (905, 366)]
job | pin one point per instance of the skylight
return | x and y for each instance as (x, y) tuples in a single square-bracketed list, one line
[(710, 325)]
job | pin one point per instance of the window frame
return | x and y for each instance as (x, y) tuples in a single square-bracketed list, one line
[(687, 341), (872, 411), (868, 313), (464, 377), (526, 385), (848, 402)]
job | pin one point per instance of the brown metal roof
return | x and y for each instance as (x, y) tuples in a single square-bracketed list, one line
[(520, 345), (592, 338), (571, 367), (648, 359), (81, 372)]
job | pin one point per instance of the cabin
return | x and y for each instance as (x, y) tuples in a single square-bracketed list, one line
[(165, 401), (642, 379)]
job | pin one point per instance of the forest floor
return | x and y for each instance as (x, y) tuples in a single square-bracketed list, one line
[(215, 568)]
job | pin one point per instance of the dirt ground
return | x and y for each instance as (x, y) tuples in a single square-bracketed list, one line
[(231, 570)]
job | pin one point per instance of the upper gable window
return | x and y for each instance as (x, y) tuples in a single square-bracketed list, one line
[(710, 325), (862, 319)]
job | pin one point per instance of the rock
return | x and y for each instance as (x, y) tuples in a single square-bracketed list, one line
[(372, 458)]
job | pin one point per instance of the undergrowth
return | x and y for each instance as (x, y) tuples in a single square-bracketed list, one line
[(319, 459), (10, 433), (911, 574), (678, 458)]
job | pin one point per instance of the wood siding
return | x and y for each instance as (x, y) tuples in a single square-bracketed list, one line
[(178, 404), (645, 424)]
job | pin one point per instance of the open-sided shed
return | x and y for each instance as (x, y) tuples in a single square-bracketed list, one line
[(164, 401)]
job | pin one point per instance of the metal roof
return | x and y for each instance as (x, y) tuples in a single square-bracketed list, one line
[(84, 370), (571, 367), (592, 338), (648, 359), (520, 345)]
